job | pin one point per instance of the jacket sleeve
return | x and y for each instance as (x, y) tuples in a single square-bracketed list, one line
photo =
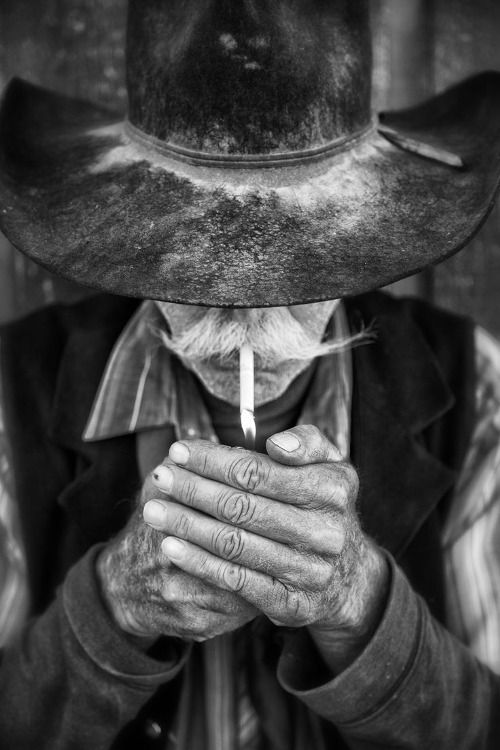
[(71, 678), (416, 685), (413, 686)]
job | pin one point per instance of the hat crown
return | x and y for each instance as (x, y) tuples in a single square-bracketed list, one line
[(249, 76)]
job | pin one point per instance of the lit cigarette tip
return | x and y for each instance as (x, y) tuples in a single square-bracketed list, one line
[(248, 427)]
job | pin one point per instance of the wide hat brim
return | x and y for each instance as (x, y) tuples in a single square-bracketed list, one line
[(85, 200)]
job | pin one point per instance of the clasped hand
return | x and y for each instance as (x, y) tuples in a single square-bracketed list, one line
[(279, 531), (224, 534)]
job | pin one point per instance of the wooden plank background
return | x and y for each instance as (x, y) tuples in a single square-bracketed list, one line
[(420, 46)]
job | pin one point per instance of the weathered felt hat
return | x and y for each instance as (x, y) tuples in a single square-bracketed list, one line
[(251, 170)]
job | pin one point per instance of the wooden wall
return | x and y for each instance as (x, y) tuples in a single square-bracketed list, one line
[(468, 42), (76, 47), (421, 46)]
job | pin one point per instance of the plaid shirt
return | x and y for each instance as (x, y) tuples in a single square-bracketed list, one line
[(133, 396)]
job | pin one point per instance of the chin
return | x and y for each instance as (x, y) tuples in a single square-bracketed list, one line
[(223, 381), (268, 387)]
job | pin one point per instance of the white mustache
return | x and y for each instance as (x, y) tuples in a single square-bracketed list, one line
[(274, 335)]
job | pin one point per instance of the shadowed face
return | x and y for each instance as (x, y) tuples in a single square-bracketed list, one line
[(284, 340)]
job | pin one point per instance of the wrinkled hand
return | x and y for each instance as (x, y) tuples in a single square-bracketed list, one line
[(148, 596), (279, 530)]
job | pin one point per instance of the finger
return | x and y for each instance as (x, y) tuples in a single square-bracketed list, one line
[(178, 588), (301, 445), (272, 519), (315, 485), (302, 569), (149, 488), (269, 595)]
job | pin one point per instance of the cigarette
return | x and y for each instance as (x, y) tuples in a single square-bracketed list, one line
[(247, 395)]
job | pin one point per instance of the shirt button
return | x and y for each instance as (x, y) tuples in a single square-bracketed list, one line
[(152, 729), (191, 431)]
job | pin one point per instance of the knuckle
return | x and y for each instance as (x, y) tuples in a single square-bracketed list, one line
[(234, 577), (228, 543), (322, 575), (328, 537), (335, 485), (205, 568), (168, 593), (297, 606), (236, 507), (182, 525), (340, 490), (313, 574), (317, 445), (318, 483), (248, 472), (347, 485), (188, 492), (198, 628)]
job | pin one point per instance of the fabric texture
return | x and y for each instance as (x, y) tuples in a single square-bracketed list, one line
[(417, 334), (471, 537), (13, 584)]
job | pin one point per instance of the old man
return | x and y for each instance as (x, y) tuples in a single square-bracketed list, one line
[(185, 590)]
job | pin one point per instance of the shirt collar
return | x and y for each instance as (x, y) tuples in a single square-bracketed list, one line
[(144, 386)]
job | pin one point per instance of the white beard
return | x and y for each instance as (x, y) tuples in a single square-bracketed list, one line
[(283, 347)]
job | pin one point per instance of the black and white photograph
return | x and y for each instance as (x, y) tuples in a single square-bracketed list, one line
[(249, 375)]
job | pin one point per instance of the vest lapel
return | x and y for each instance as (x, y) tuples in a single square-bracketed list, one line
[(399, 391), (106, 479)]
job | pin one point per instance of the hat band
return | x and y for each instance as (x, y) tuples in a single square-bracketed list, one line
[(239, 161)]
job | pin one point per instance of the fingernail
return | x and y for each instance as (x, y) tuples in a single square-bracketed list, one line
[(179, 453), (154, 513), (287, 441), (163, 478), (173, 548)]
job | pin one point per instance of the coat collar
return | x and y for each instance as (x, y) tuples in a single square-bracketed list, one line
[(399, 391), (92, 328)]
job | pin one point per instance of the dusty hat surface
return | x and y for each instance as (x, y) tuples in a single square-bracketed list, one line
[(122, 207)]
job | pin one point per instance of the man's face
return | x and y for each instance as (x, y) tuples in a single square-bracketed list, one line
[(285, 340)]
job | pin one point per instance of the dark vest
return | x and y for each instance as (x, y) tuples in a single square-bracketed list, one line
[(413, 411)]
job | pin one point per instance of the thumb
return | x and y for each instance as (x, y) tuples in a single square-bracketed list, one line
[(301, 445)]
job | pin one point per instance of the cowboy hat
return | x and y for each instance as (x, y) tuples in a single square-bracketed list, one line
[(250, 170)]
